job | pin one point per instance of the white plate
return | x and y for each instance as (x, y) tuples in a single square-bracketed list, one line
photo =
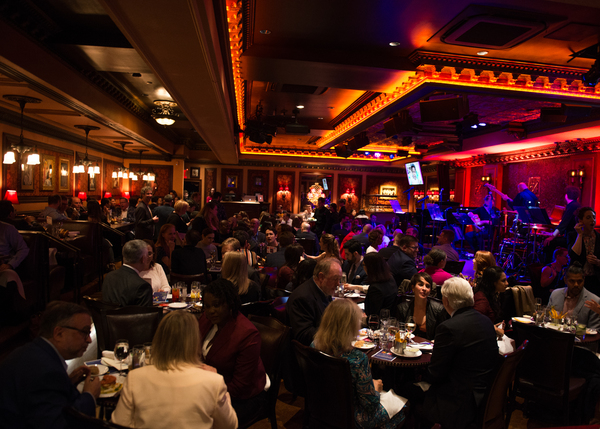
[(118, 384), (419, 353), (178, 305), (521, 320), (366, 345), (353, 295), (591, 331), (102, 369)]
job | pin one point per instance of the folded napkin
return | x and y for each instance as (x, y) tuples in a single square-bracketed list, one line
[(7, 276), (392, 403), (115, 364)]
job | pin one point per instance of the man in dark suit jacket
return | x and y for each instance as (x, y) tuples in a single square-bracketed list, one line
[(125, 286), (189, 259), (308, 301), (306, 233), (256, 237), (402, 263), (464, 356), (35, 383), (363, 237), (353, 265), (394, 247), (163, 212), (144, 221), (277, 259)]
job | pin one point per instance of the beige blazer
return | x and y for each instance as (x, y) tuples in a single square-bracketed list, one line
[(189, 397)]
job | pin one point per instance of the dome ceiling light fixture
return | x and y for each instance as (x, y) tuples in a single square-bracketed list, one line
[(165, 114)]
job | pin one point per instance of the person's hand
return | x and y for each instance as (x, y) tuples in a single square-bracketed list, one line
[(155, 219), (92, 385), (548, 240), (208, 368), (79, 374), (30, 219), (593, 305), (499, 330), (592, 259), (378, 384), (579, 228)]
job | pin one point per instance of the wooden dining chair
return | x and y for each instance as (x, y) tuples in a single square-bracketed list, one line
[(96, 307), (133, 323)]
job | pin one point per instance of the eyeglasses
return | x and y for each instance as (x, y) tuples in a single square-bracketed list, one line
[(85, 332)]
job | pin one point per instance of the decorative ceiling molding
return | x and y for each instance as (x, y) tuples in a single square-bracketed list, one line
[(357, 104), (236, 47)]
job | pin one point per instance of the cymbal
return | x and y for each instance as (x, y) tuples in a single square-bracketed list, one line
[(539, 226)]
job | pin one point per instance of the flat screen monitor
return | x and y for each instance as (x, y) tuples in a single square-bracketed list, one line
[(325, 187), (413, 171)]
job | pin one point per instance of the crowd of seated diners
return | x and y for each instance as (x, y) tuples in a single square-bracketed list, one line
[(208, 366)]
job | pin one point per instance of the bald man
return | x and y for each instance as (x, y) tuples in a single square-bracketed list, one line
[(525, 198)]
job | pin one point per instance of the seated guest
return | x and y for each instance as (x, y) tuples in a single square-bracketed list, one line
[(375, 240), (75, 211), (402, 263), (223, 232), (286, 218), (155, 275), (206, 244), (189, 259), (353, 266), (176, 218), (243, 238), (202, 398), (353, 231), (306, 233), (427, 313), (36, 386), (166, 243), (553, 275), (572, 299), (486, 296), (207, 218), (307, 213), (96, 215), (13, 251), (293, 255), (341, 229), (54, 202), (464, 356), (338, 329), (8, 215), (386, 240), (329, 247), (363, 237), (413, 231), (235, 269), (122, 210), (256, 237), (270, 236), (394, 247), (154, 202), (482, 260), (231, 344), (309, 300), (435, 261), (584, 247), (382, 289), (133, 201), (445, 240), (277, 259), (304, 272), (125, 286)]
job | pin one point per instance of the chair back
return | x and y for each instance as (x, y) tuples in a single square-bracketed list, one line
[(308, 244), (278, 309), (187, 279), (524, 300), (329, 389), (135, 324), (496, 413), (258, 308), (454, 267), (96, 307)]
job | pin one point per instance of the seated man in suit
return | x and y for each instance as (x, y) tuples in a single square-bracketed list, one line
[(125, 286), (256, 237), (464, 356), (402, 263), (363, 237), (387, 252), (308, 301), (277, 259), (572, 299), (353, 266), (36, 386), (189, 259), (305, 232)]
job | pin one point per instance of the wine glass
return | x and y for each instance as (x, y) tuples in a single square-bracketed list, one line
[(410, 326), (373, 324), (121, 353)]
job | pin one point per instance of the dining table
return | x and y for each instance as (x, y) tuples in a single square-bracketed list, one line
[(399, 361)]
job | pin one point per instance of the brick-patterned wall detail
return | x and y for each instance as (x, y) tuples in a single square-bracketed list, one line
[(350, 182), (283, 178), (239, 186)]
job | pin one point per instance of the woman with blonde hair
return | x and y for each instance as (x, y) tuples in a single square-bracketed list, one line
[(202, 398), (339, 327), (176, 218), (235, 269)]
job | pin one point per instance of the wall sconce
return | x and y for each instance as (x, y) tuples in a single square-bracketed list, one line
[(126, 194), (11, 196), (486, 179), (107, 195), (284, 192), (82, 196), (579, 173)]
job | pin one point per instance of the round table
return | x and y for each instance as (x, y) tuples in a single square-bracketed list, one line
[(403, 362)]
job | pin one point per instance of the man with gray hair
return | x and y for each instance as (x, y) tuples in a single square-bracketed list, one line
[(309, 300), (462, 363), (35, 383), (144, 221), (125, 286)]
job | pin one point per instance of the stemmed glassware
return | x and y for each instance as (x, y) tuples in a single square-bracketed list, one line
[(373, 323), (121, 353), (410, 326)]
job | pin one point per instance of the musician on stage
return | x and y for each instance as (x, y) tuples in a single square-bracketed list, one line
[(484, 219), (566, 225), (525, 198)]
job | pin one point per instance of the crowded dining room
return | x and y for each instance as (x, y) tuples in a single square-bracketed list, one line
[(265, 214)]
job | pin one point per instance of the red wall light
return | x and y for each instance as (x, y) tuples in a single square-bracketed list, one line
[(82, 196), (107, 195), (126, 194), (11, 196)]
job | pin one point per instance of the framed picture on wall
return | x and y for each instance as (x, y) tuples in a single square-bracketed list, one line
[(195, 173), (48, 172), (27, 177), (91, 183), (115, 183), (64, 178), (258, 181), (232, 181)]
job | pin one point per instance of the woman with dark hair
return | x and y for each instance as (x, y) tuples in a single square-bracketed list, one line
[(231, 345), (133, 202), (304, 272), (435, 261), (427, 313), (487, 296), (206, 218), (293, 255), (584, 247), (375, 240), (330, 248), (382, 289)]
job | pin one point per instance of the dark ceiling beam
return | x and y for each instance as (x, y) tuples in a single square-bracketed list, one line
[(25, 60), (181, 44)]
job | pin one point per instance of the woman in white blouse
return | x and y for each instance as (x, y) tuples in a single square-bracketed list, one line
[(155, 275)]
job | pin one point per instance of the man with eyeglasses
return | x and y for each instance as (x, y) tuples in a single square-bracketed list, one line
[(35, 383), (402, 263)]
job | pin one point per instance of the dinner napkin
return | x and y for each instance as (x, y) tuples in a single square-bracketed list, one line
[(115, 364), (392, 403), (422, 346)]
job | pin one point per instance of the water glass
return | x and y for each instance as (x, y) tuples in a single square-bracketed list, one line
[(182, 291), (137, 357), (147, 353)]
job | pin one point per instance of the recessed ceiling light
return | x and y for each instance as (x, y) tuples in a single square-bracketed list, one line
[(265, 31), (394, 43), (482, 124), (377, 154), (367, 153), (299, 106), (320, 117), (482, 53), (474, 126)]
